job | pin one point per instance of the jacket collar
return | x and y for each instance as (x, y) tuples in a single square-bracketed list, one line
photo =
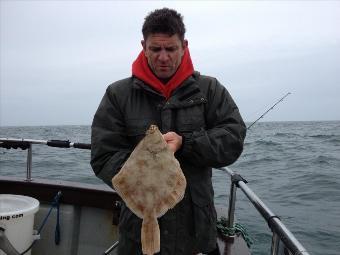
[(187, 91)]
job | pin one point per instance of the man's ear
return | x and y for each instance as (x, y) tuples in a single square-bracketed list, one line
[(143, 45), (185, 44)]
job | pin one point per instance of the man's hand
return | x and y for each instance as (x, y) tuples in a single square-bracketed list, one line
[(173, 140)]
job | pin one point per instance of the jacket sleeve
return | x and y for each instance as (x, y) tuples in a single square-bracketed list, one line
[(109, 144), (221, 142)]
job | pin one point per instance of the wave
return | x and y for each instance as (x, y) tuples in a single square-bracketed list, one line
[(324, 160), (286, 135), (267, 143), (324, 136), (334, 141)]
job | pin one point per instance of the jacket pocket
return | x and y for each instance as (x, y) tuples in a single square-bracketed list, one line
[(204, 216), (190, 119), (205, 226)]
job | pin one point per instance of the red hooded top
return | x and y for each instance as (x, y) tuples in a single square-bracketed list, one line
[(142, 71)]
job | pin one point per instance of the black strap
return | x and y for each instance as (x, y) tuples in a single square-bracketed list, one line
[(15, 145), (59, 143), (85, 146), (270, 220), (236, 178)]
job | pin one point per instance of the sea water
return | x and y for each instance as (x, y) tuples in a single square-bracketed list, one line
[(294, 167)]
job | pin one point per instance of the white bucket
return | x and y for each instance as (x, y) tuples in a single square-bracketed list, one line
[(17, 218)]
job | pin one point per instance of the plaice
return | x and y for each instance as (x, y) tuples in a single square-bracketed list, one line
[(150, 182)]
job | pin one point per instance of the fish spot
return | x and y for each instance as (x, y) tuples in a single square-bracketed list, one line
[(140, 207), (170, 182), (141, 163)]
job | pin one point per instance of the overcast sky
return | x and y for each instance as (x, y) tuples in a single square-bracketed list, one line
[(58, 57)]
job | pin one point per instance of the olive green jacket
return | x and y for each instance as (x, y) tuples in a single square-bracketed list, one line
[(200, 110)]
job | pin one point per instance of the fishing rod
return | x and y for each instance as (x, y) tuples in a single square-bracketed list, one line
[(25, 143), (271, 108)]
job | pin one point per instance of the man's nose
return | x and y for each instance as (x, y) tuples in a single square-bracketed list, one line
[(163, 55)]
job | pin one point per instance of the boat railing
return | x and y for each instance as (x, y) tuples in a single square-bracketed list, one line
[(283, 240), (27, 144)]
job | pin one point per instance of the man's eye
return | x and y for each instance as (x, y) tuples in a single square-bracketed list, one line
[(170, 49), (155, 49)]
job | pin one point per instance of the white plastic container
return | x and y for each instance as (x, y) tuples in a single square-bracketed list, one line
[(17, 218)]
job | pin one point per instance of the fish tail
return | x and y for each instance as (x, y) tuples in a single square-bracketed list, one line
[(150, 236)]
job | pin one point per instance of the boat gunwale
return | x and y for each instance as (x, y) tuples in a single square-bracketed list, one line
[(74, 193)]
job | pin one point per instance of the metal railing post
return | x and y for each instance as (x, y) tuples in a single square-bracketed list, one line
[(281, 234), (275, 244), (232, 200), (29, 163)]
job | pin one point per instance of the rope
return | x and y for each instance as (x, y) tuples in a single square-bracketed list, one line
[(55, 203), (57, 226), (237, 229)]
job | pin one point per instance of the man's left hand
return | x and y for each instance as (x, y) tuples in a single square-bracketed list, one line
[(173, 140)]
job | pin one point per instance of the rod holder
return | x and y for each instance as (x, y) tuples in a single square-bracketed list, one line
[(29, 163)]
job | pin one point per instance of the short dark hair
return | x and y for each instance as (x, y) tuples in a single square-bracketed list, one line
[(166, 21)]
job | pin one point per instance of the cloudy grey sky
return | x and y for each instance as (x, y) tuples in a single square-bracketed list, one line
[(57, 57)]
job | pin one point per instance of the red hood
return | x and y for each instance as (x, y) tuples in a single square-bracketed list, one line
[(142, 71)]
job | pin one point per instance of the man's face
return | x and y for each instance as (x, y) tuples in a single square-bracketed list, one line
[(164, 53)]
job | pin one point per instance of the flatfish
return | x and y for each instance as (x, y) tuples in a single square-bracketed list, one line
[(150, 182)]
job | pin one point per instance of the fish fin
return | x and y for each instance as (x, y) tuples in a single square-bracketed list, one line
[(150, 236)]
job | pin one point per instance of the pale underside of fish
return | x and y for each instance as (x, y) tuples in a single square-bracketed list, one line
[(150, 182)]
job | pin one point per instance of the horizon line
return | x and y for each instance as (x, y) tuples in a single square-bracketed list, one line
[(58, 125)]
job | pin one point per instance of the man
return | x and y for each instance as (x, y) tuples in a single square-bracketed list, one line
[(200, 123)]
